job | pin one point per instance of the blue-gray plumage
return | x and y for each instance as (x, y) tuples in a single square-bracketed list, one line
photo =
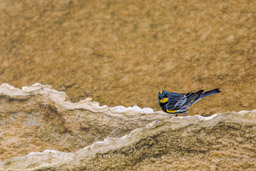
[(175, 103)]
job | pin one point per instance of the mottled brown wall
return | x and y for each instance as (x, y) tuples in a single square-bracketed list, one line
[(123, 52)]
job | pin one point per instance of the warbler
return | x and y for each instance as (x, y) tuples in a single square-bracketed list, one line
[(176, 103)]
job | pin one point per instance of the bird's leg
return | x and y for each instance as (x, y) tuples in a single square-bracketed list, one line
[(176, 115), (185, 114)]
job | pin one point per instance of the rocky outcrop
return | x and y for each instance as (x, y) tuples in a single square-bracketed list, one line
[(37, 118), (85, 136), (223, 141)]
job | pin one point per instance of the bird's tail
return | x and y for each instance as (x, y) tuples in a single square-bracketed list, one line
[(208, 93)]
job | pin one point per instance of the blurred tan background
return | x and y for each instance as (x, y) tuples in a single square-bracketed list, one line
[(124, 52)]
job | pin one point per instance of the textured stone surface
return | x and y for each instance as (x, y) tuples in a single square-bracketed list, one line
[(123, 52), (86, 136), (37, 118), (223, 142)]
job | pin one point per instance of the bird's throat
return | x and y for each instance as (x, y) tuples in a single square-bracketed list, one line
[(164, 100)]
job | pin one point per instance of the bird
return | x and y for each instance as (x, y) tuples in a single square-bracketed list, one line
[(177, 103)]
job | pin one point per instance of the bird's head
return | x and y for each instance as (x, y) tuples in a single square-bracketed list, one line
[(162, 96)]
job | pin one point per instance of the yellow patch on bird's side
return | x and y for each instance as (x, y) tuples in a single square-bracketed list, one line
[(161, 92), (192, 100), (164, 100), (171, 111)]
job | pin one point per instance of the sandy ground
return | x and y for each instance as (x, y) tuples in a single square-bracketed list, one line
[(124, 52)]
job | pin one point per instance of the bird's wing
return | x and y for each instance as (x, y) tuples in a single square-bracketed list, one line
[(175, 101), (180, 102), (191, 97), (187, 98)]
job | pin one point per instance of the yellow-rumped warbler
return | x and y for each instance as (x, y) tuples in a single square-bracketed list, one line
[(175, 103)]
